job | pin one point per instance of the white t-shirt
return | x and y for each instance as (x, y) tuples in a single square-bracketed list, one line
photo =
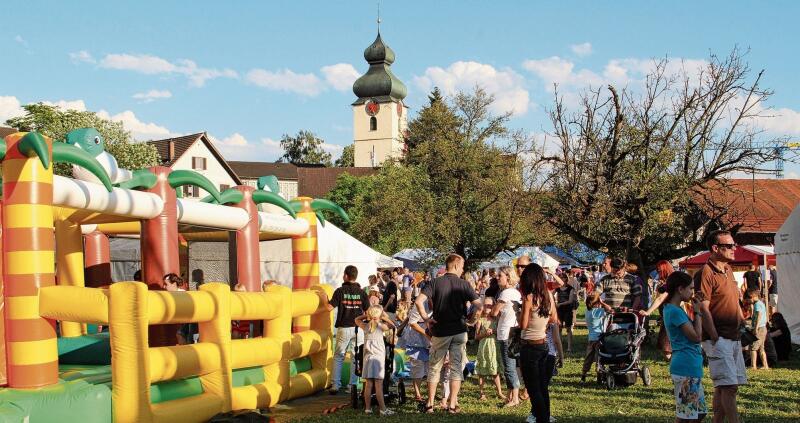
[(507, 318)]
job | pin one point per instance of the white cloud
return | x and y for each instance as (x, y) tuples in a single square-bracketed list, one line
[(629, 73), (583, 49), (780, 121), (154, 65), (285, 80), (237, 147), (152, 95), (334, 149), (507, 86), (340, 76), (9, 107), (82, 56), (18, 38), (557, 70), (236, 140), (78, 105), (141, 131)]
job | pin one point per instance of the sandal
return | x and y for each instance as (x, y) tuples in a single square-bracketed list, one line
[(454, 410), (482, 397), (428, 409)]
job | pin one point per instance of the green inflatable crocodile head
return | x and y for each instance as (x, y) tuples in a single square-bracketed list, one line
[(88, 140)]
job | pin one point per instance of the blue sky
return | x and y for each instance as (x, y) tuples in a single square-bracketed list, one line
[(249, 71)]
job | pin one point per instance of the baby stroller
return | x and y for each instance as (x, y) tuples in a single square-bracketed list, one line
[(618, 356), (390, 395)]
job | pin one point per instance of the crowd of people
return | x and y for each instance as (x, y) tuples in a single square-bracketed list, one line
[(518, 315)]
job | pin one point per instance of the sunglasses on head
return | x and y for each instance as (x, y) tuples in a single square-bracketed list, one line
[(728, 246)]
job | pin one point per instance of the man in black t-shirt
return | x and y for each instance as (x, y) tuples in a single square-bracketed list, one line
[(753, 279), (389, 302), (448, 327), (350, 301)]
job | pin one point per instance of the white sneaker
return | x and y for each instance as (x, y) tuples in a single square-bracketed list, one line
[(552, 419), (368, 411), (387, 412), (531, 418)]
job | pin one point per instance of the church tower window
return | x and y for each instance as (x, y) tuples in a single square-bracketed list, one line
[(373, 123)]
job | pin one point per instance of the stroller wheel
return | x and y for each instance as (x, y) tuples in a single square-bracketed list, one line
[(610, 382), (647, 378), (401, 392)]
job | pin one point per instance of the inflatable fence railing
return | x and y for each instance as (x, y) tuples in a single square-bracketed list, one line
[(129, 308), (44, 287)]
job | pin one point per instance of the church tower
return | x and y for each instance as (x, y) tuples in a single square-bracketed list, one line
[(379, 115)]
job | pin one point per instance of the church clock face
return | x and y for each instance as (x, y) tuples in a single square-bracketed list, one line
[(372, 107), (399, 108)]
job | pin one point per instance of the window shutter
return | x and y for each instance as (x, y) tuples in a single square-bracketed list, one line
[(204, 163)]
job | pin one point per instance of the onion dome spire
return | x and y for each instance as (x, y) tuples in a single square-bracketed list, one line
[(379, 82)]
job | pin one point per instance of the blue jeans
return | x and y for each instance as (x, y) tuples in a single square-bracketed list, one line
[(533, 360), (345, 341), (509, 365)]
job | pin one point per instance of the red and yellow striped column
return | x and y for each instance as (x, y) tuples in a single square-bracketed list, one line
[(3, 377), (305, 258), (29, 263)]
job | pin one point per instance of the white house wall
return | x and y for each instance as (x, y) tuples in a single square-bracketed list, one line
[(215, 172)]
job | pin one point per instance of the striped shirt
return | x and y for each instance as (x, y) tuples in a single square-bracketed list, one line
[(619, 292)]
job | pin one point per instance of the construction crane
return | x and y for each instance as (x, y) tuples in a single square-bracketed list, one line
[(780, 148)]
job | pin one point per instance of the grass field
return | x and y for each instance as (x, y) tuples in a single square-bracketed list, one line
[(770, 396)]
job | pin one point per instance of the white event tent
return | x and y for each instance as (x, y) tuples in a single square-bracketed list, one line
[(787, 251)]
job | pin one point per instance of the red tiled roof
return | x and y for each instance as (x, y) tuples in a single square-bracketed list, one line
[(6, 131), (181, 144), (317, 182), (758, 205)]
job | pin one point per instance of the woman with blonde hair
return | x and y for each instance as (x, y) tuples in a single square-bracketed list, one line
[(508, 298)]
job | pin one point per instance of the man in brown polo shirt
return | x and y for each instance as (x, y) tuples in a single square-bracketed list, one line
[(720, 300)]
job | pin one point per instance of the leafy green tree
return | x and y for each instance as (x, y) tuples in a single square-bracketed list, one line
[(305, 147), (347, 158), (388, 210), (56, 123), (459, 188)]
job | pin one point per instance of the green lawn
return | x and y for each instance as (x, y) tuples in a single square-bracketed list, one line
[(770, 396)]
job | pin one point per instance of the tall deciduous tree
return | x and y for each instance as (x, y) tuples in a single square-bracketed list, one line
[(56, 123), (347, 159), (632, 167), (459, 187), (305, 147)]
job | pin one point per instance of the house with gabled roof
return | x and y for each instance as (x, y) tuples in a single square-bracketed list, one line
[(196, 152)]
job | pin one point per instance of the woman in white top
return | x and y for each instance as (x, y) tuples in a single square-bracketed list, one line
[(504, 311)]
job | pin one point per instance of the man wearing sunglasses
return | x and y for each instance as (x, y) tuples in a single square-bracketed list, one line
[(719, 299)]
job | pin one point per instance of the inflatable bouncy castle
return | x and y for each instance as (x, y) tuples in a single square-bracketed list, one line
[(54, 232)]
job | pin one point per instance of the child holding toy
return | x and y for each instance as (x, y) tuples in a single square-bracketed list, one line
[(486, 365), (374, 357)]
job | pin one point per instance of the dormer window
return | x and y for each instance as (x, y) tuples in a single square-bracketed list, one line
[(373, 123)]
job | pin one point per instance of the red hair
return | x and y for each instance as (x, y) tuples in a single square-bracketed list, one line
[(664, 269)]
